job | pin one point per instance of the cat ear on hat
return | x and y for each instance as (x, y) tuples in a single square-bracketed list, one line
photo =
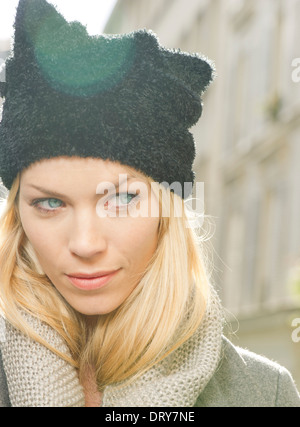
[(63, 55), (31, 16), (195, 71)]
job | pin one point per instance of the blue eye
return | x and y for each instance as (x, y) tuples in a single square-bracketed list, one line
[(125, 198), (47, 205), (121, 201)]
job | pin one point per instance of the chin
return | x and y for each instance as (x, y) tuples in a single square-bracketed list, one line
[(92, 309), (92, 312)]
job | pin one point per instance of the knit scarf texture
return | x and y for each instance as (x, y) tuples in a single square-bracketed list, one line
[(36, 377)]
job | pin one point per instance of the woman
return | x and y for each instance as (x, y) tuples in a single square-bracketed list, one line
[(104, 293)]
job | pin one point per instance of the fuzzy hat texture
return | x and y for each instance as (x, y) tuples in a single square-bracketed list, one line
[(118, 97)]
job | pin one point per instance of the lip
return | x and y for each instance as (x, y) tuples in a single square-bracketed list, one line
[(90, 282)]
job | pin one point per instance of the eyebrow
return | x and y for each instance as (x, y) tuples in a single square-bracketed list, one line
[(52, 193)]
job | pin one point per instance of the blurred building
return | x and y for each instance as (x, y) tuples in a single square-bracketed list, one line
[(248, 152), (4, 52)]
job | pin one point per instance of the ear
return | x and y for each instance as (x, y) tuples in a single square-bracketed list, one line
[(196, 71), (31, 15)]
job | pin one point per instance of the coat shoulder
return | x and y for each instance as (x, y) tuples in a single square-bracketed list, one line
[(4, 396), (246, 379)]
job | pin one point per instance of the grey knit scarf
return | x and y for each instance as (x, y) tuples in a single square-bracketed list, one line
[(36, 377)]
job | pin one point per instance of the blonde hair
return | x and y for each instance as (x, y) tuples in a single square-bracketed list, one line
[(164, 310)]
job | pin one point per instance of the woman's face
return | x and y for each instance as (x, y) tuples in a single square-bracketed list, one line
[(93, 248)]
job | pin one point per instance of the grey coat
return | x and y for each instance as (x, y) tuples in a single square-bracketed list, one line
[(243, 379)]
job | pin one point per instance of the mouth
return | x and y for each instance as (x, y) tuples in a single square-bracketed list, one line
[(89, 282)]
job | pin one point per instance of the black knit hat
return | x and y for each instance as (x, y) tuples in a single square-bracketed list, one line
[(117, 97)]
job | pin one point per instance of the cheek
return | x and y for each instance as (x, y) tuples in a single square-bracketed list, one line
[(139, 241), (43, 244), (42, 238)]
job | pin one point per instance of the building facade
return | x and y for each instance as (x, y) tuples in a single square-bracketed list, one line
[(248, 154), (4, 52)]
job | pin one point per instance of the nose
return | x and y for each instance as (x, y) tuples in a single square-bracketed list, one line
[(87, 235)]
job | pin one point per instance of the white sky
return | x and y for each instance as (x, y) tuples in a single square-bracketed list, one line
[(93, 13)]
